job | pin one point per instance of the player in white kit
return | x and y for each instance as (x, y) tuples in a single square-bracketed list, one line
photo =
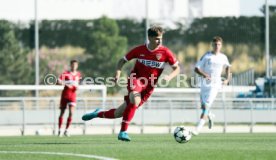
[(210, 67)]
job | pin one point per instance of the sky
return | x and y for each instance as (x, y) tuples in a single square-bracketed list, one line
[(23, 10), (252, 7)]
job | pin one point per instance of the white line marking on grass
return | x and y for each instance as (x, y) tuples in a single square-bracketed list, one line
[(60, 154)]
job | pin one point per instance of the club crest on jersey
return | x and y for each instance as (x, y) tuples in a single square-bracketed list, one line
[(158, 56)]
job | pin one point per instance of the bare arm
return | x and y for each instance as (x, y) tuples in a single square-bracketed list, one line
[(201, 73), (59, 82), (228, 75), (174, 73), (119, 67)]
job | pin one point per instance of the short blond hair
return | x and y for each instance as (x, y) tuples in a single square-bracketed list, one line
[(74, 61), (155, 30), (217, 39)]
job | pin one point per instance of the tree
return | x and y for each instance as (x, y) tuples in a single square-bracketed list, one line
[(272, 10), (14, 65), (235, 30), (105, 47), (133, 30)]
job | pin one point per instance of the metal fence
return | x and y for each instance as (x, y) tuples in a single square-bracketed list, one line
[(18, 113), (245, 78)]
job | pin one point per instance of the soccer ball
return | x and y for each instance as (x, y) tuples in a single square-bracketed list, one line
[(182, 135)]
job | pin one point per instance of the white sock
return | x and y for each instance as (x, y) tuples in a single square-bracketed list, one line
[(200, 125)]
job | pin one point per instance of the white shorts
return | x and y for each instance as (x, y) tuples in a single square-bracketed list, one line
[(207, 96)]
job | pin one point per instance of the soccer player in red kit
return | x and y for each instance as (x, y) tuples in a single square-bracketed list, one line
[(150, 62), (70, 80)]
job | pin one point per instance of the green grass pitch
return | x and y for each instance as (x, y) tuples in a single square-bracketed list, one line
[(142, 147)]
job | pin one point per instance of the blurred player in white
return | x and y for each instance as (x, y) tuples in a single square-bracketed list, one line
[(70, 80), (210, 67)]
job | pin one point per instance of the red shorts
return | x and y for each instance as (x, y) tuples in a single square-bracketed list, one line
[(66, 101), (138, 86)]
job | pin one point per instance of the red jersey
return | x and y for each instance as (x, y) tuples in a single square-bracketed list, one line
[(72, 79), (150, 62)]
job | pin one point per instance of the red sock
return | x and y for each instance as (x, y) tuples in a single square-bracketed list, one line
[(69, 121), (60, 119), (110, 114), (128, 115)]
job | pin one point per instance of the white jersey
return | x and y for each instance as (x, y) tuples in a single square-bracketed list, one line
[(212, 64)]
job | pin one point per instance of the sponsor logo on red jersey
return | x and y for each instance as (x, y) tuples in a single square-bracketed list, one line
[(152, 64)]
